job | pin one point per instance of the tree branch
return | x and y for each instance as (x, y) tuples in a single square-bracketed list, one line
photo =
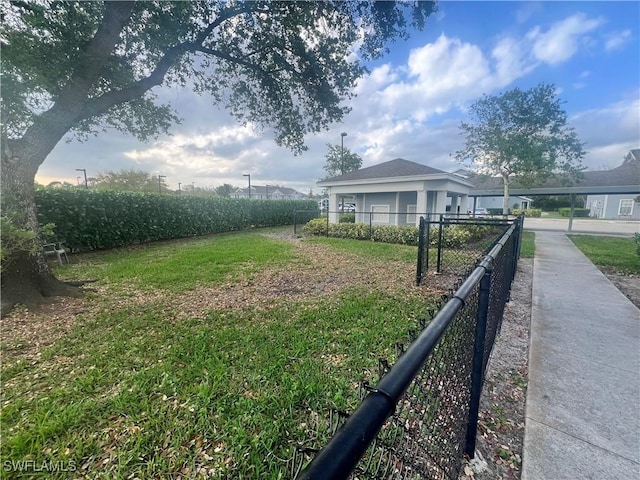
[(99, 105)]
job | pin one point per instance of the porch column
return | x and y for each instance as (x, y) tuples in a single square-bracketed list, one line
[(454, 203), (421, 205), (464, 203), (395, 217), (333, 208), (441, 201)]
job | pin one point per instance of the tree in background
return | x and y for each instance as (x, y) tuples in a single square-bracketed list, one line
[(523, 134), (339, 161), (83, 67), (225, 190), (129, 181)]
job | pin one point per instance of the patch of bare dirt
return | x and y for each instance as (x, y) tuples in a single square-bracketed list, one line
[(25, 333), (628, 284), (502, 406)]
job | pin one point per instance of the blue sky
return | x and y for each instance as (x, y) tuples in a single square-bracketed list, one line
[(412, 102)]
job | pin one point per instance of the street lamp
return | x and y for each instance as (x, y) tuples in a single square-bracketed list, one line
[(179, 191), (342, 135), (160, 177), (248, 175), (86, 185)]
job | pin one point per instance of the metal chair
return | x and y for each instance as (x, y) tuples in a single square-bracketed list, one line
[(55, 249)]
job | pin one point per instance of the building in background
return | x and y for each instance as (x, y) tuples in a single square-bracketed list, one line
[(269, 192)]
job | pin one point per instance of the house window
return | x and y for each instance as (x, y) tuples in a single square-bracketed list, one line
[(411, 214), (626, 207), (379, 213)]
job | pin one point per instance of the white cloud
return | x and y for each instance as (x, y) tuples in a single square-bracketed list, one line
[(616, 40), (512, 61), (607, 146), (562, 40)]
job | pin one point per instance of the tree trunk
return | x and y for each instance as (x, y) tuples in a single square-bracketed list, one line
[(505, 198), (26, 277)]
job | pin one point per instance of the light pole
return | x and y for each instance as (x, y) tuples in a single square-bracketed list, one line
[(179, 191), (84, 170), (342, 135), (248, 175), (160, 177)]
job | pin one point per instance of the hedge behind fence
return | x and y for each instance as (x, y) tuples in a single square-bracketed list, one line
[(87, 219)]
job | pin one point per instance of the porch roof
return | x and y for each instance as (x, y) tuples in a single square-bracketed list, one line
[(397, 170)]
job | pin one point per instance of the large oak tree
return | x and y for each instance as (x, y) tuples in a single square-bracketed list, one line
[(521, 134), (82, 67)]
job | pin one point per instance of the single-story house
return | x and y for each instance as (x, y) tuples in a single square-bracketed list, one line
[(619, 206), (269, 192), (397, 192), (609, 193)]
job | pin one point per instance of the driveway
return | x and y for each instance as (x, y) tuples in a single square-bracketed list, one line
[(604, 227)]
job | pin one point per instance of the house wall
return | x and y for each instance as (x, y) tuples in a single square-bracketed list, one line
[(429, 196), (608, 206)]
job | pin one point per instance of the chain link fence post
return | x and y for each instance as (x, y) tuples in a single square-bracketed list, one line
[(477, 375)]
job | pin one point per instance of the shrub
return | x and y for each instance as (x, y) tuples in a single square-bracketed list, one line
[(317, 226), (107, 219), (531, 212), (494, 211), (453, 236), (347, 218), (636, 239), (404, 235), (357, 231), (577, 212)]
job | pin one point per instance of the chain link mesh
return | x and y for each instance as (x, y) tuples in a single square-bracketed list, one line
[(425, 436)]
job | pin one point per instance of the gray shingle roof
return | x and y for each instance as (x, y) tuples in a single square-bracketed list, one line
[(398, 167), (626, 174)]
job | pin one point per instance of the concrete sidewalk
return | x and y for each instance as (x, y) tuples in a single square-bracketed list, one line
[(583, 398)]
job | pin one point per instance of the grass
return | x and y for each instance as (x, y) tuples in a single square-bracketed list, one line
[(138, 388), (130, 391), (617, 253), (366, 248), (528, 245), (182, 265)]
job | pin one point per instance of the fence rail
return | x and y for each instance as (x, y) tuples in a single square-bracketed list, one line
[(421, 417), (456, 241)]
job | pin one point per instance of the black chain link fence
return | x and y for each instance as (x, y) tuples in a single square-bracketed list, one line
[(421, 417), (447, 244)]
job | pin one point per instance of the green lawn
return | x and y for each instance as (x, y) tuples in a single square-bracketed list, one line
[(138, 389), (617, 253), (528, 246), (366, 248)]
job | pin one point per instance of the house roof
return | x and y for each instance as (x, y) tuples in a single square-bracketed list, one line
[(625, 177), (398, 167)]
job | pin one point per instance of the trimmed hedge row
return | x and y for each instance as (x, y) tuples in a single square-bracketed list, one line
[(529, 212), (577, 212), (88, 219), (454, 236)]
